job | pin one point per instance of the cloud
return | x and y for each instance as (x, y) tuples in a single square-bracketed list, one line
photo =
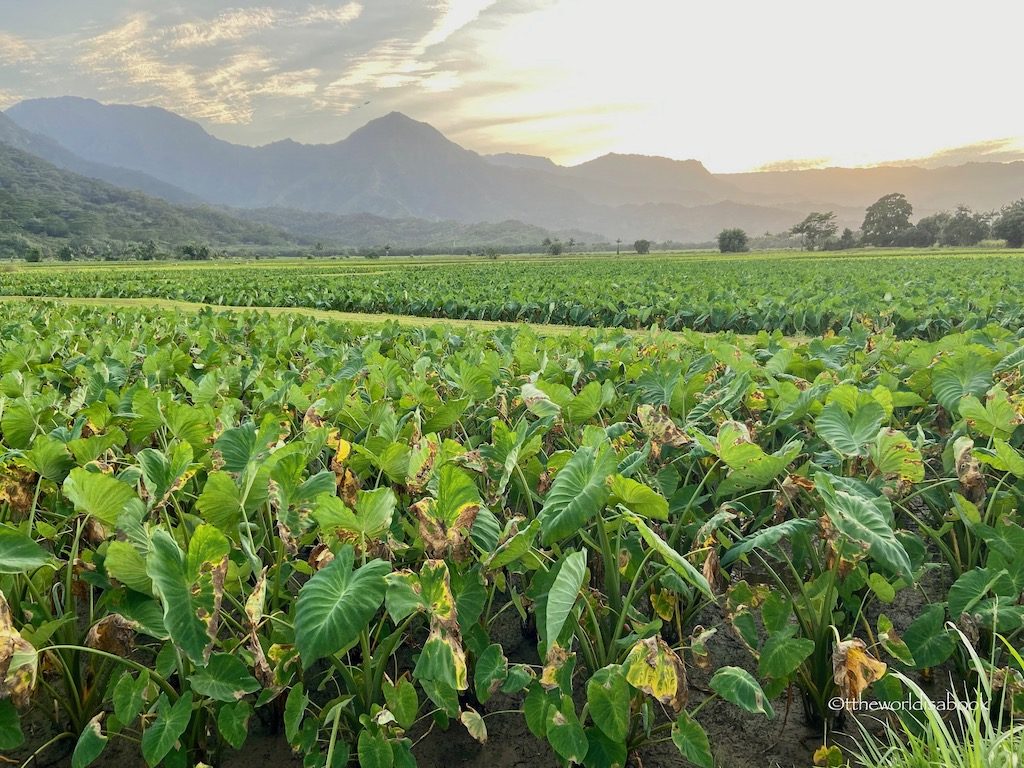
[(995, 151), (213, 69), (8, 98), (796, 164), (15, 50)]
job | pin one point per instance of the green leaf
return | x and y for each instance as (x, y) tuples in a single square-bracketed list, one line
[(90, 744), (128, 696), (490, 672), (99, 495), (294, 710), (563, 594), (692, 742), (637, 498), (586, 405), (233, 722), (996, 418), (894, 455), (860, 520), (225, 678), (220, 503), (166, 567), (972, 587), (750, 466), (124, 563), (928, 640), (19, 553), (402, 701), (782, 654), (736, 686), (577, 493), (11, 736), (169, 725), (564, 732), (608, 700), (336, 605), (672, 559), (767, 538), (49, 457), (954, 377), (603, 752), (374, 750), (849, 435)]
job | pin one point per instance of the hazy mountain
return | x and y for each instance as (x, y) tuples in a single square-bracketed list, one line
[(364, 230), (51, 151), (40, 202), (395, 167)]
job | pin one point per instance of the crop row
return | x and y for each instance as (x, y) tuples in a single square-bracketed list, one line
[(924, 296), (214, 519)]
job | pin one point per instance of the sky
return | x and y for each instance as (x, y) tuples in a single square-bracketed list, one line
[(737, 84)]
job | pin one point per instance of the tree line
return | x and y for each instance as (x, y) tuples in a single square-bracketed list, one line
[(887, 223)]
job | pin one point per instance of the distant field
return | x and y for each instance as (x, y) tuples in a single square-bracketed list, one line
[(922, 294)]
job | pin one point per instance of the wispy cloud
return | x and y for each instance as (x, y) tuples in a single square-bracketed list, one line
[(15, 50), (239, 24)]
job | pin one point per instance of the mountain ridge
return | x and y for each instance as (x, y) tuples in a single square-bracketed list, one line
[(397, 167)]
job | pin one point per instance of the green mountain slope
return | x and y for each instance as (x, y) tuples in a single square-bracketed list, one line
[(42, 206)]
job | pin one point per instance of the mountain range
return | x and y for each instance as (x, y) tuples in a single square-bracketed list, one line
[(396, 168)]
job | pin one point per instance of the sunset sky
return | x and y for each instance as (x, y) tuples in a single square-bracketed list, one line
[(737, 84)]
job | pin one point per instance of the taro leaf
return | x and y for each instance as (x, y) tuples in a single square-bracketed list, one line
[(953, 378), (577, 493), (750, 466), (563, 594), (99, 495), (603, 752), (402, 701), (124, 563), (860, 520), (19, 553), (225, 678), (128, 696), (474, 724), (49, 457), (637, 497), (782, 654), (849, 435), (164, 473), (370, 520), (996, 418), (894, 455), (374, 750), (927, 639), (294, 710), (220, 503), (337, 604), (608, 700), (11, 736), (233, 722), (170, 723), (655, 669), (692, 742), (586, 405), (972, 587), (490, 672), (564, 732), (767, 538), (736, 686), (90, 744), (672, 559), (190, 591), (513, 548)]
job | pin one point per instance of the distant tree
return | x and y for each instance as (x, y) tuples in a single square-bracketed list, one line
[(886, 218), (571, 244), (930, 228), (318, 249), (618, 246), (148, 250), (642, 246), (965, 227), (847, 240), (1010, 225), (33, 255), (914, 237), (65, 252), (733, 241), (196, 252), (816, 229), (553, 247)]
